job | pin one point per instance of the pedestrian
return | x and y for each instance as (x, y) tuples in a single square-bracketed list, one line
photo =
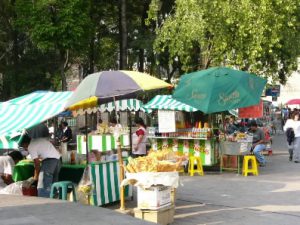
[(258, 144), (47, 163), (139, 139), (7, 164), (292, 129)]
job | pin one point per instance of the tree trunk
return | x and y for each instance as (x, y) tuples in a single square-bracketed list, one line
[(123, 34), (91, 63), (64, 59), (143, 29)]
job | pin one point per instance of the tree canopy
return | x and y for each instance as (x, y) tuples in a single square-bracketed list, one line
[(259, 36), (42, 41)]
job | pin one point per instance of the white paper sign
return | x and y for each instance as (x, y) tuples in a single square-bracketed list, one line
[(166, 121)]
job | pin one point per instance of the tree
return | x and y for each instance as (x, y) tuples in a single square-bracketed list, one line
[(258, 36), (123, 34), (56, 25)]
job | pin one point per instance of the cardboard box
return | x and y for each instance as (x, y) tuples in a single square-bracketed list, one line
[(162, 216), (153, 198)]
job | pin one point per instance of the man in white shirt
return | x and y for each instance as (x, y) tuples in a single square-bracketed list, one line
[(47, 163), (7, 164)]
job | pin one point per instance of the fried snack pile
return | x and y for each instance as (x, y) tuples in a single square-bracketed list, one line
[(151, 164), (165, 154)]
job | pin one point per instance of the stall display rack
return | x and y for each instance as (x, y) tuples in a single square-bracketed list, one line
[(205, 148)]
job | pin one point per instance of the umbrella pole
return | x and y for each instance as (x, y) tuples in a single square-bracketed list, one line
[(86, 140), (121, 167), (130, 132)]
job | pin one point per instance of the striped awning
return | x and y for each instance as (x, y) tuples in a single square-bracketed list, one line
[(9, 143), (122, 105), (29, 110), (40, 97), (168, 103)]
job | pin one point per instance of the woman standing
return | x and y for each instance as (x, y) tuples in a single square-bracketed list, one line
[(139, 139), (292, 129)]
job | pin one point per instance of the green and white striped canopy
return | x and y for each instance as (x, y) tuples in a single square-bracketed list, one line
[(168, 103), (122, 105), (27, 111), (9, 143)]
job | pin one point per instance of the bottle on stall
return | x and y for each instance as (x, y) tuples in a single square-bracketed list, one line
[(72, 157)]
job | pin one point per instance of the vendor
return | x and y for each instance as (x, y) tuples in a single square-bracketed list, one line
[(46, 163), (139, 139), (114, 125), (258, 142), (7, 164), (67, 133), (230, 126)]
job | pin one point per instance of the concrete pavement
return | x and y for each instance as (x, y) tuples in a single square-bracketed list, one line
[(273, 197), (19, 210)]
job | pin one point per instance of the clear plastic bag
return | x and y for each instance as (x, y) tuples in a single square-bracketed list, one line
[(85, 187), (13, 189)]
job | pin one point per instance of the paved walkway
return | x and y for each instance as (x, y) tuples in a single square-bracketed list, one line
[(273, 197), (16, 210)]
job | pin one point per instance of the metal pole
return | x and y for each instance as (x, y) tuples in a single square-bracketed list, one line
[(130, 132), (121, 167), (86, 139)]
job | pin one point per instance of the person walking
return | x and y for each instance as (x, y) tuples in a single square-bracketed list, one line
[(258, 144), (139, 139), (292, 129)]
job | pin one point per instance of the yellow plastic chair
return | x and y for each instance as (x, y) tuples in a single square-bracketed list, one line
[(253, 169), (199, 167)]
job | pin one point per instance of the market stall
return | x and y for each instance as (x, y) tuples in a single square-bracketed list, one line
[(27, 111), (103, 174), (25, 169), (232, 149), (186, 139), (101, 143), (109, 86)]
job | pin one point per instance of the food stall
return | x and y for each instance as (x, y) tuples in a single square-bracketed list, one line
[(185, 139), (232, 149), (102, 145), (156, 177)]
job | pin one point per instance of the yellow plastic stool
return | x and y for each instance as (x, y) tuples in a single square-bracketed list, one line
[(253, 169), (199, 167)]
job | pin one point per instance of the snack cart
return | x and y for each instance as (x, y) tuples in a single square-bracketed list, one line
[(189, 140)]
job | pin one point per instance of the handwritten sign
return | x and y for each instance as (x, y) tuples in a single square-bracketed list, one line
[(166, 121)]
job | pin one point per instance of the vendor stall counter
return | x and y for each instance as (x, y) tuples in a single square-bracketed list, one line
[(104, 176), (101, 143), (192, 146), (25, 169), (234, 149)]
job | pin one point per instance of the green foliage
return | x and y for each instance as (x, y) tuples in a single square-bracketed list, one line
[(259, 36), (55, 24)]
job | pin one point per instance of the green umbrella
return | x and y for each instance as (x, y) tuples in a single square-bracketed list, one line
[(219, 89)]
